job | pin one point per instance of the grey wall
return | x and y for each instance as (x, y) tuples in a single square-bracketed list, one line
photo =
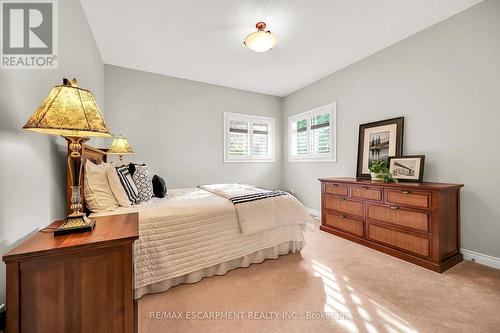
[(32, 172), (445, 81), (176, 127)]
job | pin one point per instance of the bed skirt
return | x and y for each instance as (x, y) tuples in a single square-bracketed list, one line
[(220, 269)]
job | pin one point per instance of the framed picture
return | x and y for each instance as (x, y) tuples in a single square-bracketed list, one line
[(407, 168), (378, 141)]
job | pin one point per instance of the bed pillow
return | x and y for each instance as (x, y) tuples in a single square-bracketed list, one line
[(122, 186), (159, 187), (131, 167), (97, 192), (142, 182)]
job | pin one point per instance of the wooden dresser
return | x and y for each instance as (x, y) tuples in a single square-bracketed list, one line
[(74, 283), (419, 223)]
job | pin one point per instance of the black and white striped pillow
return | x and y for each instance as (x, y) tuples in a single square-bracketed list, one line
[(128, 184)]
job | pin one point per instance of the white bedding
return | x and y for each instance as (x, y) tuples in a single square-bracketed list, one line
[(189, 230), (260, 210)]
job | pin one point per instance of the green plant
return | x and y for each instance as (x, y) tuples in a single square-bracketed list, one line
[(386, 177), (381, 171), (379, 166)]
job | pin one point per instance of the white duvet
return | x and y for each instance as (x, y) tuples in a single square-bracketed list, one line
[(189, 230), (259, 210)]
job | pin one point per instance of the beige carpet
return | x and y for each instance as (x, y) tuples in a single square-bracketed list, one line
[(333, 286)]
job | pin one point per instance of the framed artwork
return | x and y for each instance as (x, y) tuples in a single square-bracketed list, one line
[(378, 141), (407, 168)]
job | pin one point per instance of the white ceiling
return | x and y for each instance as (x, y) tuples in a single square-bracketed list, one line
[(202, 40)]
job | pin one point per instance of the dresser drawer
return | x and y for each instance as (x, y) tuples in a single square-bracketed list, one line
[(366, 192), (415, 244), (400, 216), (418, 199), (344, 205), (340, 221), (419, 223), (339, 189)]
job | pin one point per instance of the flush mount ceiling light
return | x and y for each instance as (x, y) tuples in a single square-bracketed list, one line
[(260, 41)]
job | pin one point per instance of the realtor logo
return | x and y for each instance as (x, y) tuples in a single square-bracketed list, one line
[(29, 34)]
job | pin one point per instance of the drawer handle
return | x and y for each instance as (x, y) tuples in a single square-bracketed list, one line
[(335, 184), (405, 192), (342, 216), (342, 199), (365, 188), (394, 207)]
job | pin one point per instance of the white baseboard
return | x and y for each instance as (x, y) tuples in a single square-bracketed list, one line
[(480, 258), (314, 212)]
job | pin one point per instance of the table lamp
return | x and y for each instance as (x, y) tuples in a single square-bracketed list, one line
[(120, 147), (71, 112)]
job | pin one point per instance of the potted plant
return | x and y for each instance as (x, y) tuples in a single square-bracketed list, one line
[(379, 171)]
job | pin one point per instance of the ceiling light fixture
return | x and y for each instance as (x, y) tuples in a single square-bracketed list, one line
[(260, 41)]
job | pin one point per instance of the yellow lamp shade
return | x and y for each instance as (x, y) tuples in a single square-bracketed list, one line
[(69, 111), (260, 41), (120, 146)]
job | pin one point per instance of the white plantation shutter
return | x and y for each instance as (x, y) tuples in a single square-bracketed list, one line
[(300, 137), (260, 145), (320, 134), (312, 134), (239, 138), (248, 138)]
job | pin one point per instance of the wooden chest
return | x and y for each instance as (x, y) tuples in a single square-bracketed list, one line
[(74, 283), (419, 223)]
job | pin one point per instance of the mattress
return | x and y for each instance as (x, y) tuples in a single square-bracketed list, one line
[(192, 230)]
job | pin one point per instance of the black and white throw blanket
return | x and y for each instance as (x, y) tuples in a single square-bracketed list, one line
[(259, 210)]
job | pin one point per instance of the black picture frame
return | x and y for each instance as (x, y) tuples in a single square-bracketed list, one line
[(399, 121), (417, 178)]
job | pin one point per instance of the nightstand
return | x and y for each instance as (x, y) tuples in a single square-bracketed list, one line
[(80, 282)]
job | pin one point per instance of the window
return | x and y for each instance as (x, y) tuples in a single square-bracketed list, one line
[(312, 135), (248, 138)]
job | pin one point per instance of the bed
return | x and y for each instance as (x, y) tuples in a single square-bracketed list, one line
[(194, 233)]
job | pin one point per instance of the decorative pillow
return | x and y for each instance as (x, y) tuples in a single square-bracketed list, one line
[(97, 192), (131, 167), (122, 186), (159, 187), (143, 182)]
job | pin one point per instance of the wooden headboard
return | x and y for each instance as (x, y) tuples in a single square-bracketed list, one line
[(93, 154)]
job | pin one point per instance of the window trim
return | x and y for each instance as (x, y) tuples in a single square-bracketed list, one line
[(332, 157), (228, 116)]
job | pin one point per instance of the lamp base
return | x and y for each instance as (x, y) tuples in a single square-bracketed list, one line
[(75, 223)]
